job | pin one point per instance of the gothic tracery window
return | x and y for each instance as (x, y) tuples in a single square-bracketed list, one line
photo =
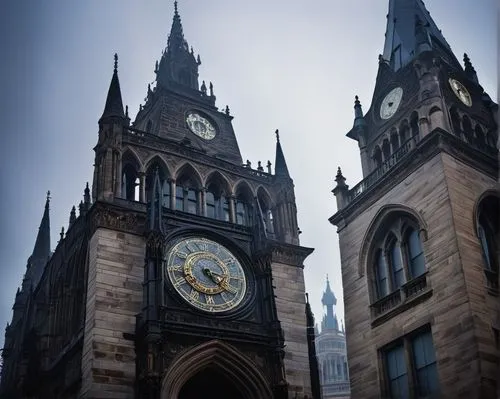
[(397, 256)]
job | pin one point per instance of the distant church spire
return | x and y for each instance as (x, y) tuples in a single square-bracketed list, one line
[(409, 29), (114, 104), (280, 168), (328, 300)]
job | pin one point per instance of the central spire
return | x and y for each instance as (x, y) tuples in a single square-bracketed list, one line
[(178, 67), (411, 30)]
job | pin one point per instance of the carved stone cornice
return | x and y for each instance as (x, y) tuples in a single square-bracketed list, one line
[(288, 254), (110, 217)]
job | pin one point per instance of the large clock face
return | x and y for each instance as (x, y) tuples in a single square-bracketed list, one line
[(200, 126), (390, 103), (205, 274), (460, 91)]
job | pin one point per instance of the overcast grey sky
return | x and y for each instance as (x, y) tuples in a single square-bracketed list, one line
[(293, 65)]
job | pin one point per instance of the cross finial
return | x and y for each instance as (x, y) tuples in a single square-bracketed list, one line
[(277, 135), (116, 62), (48, 195)]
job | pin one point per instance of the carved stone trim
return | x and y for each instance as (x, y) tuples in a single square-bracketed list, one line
[(113, 218), (292, 255)]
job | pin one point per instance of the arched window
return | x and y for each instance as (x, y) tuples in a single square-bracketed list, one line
[(414, 124), (186, 197), (395, 263), (243, 206), (217, 203), (130, 183), (394, 140), (488, 230), (397, 255), (414, 253), (382, 285), (216, 197), (158, 165), (265, 207), (467, 126), (455, 121), (377, 157), (404, 131), (386, 149)]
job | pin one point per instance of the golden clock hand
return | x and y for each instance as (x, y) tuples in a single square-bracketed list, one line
[(213, 276)]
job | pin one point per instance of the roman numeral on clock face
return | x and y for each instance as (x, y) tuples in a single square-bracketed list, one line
[(194, 294), (209, 299)]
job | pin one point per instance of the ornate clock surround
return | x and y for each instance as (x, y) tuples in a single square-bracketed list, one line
[(217, 286)]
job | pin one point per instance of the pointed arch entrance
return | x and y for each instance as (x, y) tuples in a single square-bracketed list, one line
[(214, 369)]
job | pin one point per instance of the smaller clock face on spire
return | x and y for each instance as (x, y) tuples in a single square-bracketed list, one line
[(461, 92), (200, 126), (390, 103)]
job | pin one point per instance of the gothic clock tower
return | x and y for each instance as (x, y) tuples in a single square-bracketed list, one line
[(195, 274), (419, 234)]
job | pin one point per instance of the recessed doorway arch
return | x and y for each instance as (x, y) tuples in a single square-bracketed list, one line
[(214, 368)]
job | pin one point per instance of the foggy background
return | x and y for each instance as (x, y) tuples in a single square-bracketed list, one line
[(285, 64)]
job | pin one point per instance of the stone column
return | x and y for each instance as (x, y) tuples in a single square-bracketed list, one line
[(142, 187), (232, 208), (173, 195)]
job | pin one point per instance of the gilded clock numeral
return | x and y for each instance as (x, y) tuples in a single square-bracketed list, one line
[(202, 246), (179, 281), (194, 294), (228, 261), (209, 299), (174, 268), (181, 254)]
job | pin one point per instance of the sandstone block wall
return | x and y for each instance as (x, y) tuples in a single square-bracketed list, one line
[(114, 297), (431, 192), (290, 305)]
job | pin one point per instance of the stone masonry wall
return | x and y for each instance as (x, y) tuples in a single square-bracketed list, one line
[(290, 305), (114, 297), (448, 311)]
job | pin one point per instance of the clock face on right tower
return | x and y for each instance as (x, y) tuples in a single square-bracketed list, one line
[(390, 103), (460, 91)]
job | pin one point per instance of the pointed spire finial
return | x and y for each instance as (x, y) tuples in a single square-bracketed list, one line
[(176, 11), (72, 215), (280, 168), (469, 69), (114, 104), (126, 111)]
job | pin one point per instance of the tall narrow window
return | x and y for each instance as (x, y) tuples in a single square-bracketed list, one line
[(415, 254), (166, 193), (455, 121), (425, 364), (179, 198), (210, 201), (377, 157), (413, 359), (396, 266), (225, 210), (381, 276), (414, 124), (192, 201), (397, 374), (241, 213)]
